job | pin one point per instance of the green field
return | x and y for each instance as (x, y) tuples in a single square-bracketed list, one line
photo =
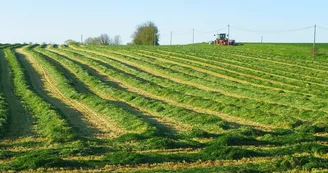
[(191, 108)]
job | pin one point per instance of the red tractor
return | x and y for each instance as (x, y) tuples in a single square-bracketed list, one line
[(223, 40)]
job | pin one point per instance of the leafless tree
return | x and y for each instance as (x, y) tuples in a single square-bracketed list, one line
[(92, 41), (88, 40), (117, 40), (104, 39)]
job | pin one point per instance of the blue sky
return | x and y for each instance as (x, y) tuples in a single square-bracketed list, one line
[(56, 21)]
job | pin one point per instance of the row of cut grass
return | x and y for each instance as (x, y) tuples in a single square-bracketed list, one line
[(151, 89), (258, 104), (265, 75), (126, 119), (241, 108), (49, 123), (284, 98), (258, 59), (209, 122), (242, 75)]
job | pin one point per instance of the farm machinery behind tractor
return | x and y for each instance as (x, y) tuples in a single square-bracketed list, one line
[(223, 40)]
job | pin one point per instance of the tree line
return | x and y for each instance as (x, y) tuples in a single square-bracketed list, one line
[(145, 34), (103, 39)]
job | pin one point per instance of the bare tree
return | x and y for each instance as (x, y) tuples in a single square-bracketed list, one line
[(117, 40), (92, 41), (88, 40), (104, 39)]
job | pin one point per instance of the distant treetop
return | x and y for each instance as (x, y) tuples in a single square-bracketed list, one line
[(146, 34)]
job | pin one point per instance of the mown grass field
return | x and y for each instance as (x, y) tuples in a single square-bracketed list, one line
[(193, 108)]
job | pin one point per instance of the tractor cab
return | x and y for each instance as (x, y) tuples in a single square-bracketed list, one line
[(222, 36), (222, 39)]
